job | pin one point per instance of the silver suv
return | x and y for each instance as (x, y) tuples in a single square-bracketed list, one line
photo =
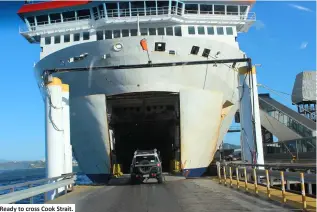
[(146, 164)]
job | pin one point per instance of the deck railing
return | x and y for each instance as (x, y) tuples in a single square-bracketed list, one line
[(148, 11), (52, 23), (65, 181), (250, 176)]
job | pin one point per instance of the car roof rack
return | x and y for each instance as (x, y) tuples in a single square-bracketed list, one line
[(145, 151)]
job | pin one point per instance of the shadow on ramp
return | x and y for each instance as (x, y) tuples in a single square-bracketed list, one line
[(121, 181)]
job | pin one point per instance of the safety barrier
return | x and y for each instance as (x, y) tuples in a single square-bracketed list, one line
[(116, 171), (253, 176), (66, 181)]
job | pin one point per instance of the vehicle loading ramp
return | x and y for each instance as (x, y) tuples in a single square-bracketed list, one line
[(283, 122), (176, 195)]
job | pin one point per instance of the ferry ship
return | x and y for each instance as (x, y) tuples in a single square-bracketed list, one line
[(130, 85)]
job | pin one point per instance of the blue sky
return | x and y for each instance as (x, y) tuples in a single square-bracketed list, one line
[(283, 40)]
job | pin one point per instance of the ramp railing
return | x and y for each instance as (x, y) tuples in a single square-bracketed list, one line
[(272, 180), (65, 181), (285, 119)]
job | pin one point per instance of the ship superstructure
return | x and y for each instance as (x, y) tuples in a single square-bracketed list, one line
[(120, 98)]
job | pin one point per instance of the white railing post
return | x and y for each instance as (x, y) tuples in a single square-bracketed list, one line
[(288, 185), (310, 188)]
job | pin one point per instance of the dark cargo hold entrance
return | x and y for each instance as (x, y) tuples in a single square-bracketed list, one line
[(145, 121)]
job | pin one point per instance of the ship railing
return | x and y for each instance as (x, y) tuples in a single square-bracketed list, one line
[(148, 11), (154, 11), (53, 23), (28, 190), (137, 11), (264, 179), (240, 15)]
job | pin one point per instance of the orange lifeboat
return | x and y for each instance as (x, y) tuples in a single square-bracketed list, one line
[(143, 44)]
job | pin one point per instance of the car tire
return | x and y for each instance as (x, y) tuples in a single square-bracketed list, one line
[(132, 180), (160, 180)]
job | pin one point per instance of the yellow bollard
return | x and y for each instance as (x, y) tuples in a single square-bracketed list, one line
[(237, 173), (119, 170), (267, 183), (230, 175), (303, 190), (224, 175), (283, 187), (245, 179), (255, 181)]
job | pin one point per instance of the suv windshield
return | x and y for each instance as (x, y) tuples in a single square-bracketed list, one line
[(150, 158)]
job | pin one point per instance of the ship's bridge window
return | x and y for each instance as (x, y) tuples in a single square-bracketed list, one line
[(83, 14), (124, 9), (174, 7), (134, 32), (243, 9), (99, 35), (232, 10), (169, 31), (201, 30), (150, 7), (101, 11), (191, 30), (219, 9), (137, 7), (152, 31), (42, 19), (108, 34), (160, 31), (206, 9), (229, 30), (125, 33), (68, 16), (47, 40), (57, 39), (210, 30), (112, 9), (86, 35), (76, 37), (66, 38), (178, 31), (55, 18), (180, 8), (95, 12), (191, 8), (31, 20), (162, 7), (220, 31)]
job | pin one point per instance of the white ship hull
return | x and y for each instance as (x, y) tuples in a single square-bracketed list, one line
[(207, 95)]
